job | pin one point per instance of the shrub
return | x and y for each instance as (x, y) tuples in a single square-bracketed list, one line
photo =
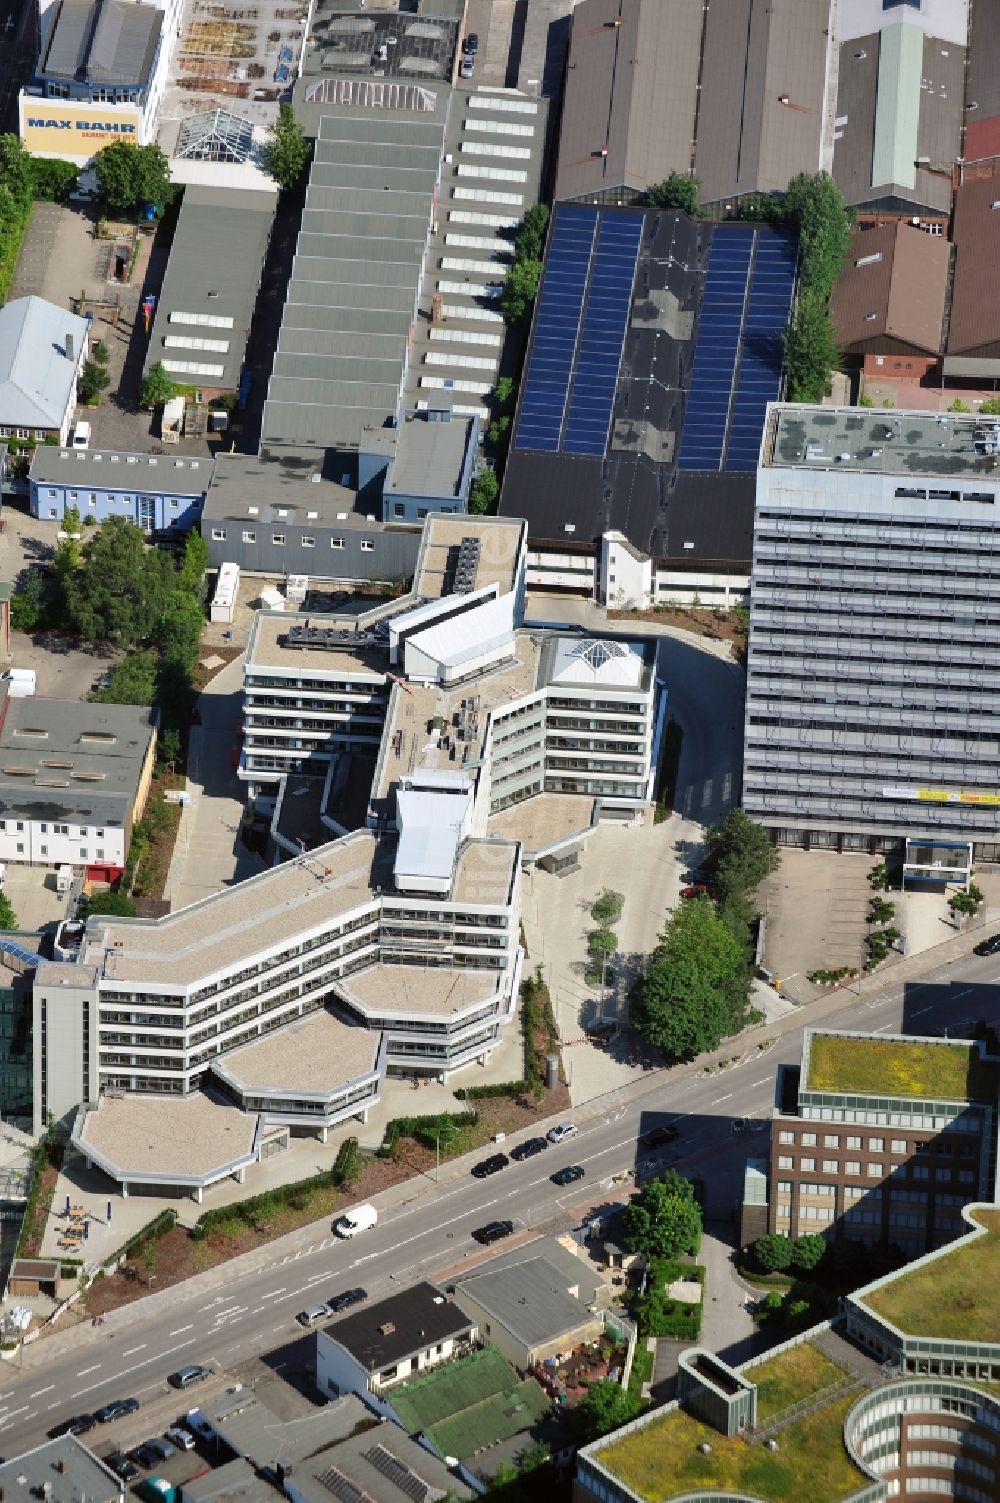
[(607, 908), (493, 1092), (347, 1165), (773, 1253)]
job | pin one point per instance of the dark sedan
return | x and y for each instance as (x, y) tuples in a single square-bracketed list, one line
[(492, 1165), (988, 946), (529, 1148), (117, 1409), (493, 1231), (658, 1137), (121, 1466), (78, 1425), (345, 1299), (567, 1176)]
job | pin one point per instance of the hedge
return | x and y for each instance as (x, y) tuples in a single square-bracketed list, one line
[(250, 1211), (347, 1165), (151, 1232), (428, 1131), (489, 1092)]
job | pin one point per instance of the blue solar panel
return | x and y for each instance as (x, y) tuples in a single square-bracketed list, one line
[(759, 377), (718, 343), (602, 336), (560, 301)]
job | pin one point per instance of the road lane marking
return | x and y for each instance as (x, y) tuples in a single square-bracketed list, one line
[(768, 1080), (884, 1029), (179, 1332), (93, 1369), (727, 1097), (39, 1391), (133, 1349), (270, 1293), (920, 1014), (166, 1352)]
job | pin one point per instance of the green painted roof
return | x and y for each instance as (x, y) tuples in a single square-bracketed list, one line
[(468, 1405), (897, 106)]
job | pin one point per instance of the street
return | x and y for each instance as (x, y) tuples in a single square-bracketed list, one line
[(237, 1312)]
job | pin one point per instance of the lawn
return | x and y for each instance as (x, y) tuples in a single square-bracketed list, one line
[(663, 1459), (881, 1067), (783, 1380), (955, 1297)]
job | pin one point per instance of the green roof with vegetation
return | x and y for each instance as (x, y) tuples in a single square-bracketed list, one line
[(468, 1405), (793, 1375), (955, 1297), (662, 1458), (910, 1069)]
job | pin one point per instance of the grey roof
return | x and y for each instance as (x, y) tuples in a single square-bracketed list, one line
[(110, 470), (391, 1329), (63, 760), (279, 480), (529, 1298), (215, 266), (102, 42), (920, 444), (430, 457), (343, 34), (575, 1273), (36, 377), (358, 261), (66, 1467), (983, 77), (236, 1480)]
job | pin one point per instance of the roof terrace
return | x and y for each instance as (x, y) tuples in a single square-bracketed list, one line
[(928, 444), (912, 1069), (953, 1296)]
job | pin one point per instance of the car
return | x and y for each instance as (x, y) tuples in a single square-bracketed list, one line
[(161, 1449), (81, 436), (699, 890), (562, 1131), (116, 1409), (78, 1424), (311, 1314), (988, 946), (121, 1466), (493, 1231), (467, 67), (568, 1175), (603, 1029), (472, 44), (185, 1376), (492, 1165), (196, 1422), (145, 1457), (181, 1440), (529, 1148), (658, 1137), (345, 1299)]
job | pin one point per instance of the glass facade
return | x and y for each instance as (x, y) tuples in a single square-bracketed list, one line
[(15, 1056)]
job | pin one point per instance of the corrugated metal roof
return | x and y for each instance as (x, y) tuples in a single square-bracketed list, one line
[(900, 274), (897, 106), (983, 76), (975, 299), (102, 42)]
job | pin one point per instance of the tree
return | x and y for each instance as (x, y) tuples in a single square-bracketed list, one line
[(34, 603), (604, 1407), (503, 392), (119, 593), (808, 1251), (286, 151), (15, 167), (130, 176), (607, 906), (663, 1220), (966, 900), (958, 406), (520, 289), (157, 387), (484, 491), (94, 379), (529, 237), (880, 910), (774, 1254), (811, 354), (991, 407), (52, 180), (193, 566), (8, 918), (741, 854), (602, 942), (696, 986), (133, 681), (677, 191), (114, 904)]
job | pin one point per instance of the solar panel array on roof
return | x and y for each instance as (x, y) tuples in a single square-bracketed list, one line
[(759, 378), (718, 336), (557, 322), (599, 353)]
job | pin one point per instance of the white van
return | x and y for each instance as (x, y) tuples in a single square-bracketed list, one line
[(357, 1219), (19, 682), (81, 436)]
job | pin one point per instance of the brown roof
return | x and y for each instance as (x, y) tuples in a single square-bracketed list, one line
[(975, 299), (899, 273)]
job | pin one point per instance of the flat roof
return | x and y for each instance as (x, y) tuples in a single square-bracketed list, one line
[(273, 483), (529, 1298), (430, 457), (383, 45), (913, 1069), (169, 1139), (115, 471), (953, 1295), (385, 1332), (210, 288), (417, 991), (467, 1406), (268, 648), (101, 42), (65, 1469), (314, 1055), (895, 442), (501, 541), (544, 820)]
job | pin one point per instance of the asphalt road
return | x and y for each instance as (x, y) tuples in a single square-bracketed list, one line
[(429, 1234)]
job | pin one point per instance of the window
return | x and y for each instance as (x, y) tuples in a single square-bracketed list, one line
[(44, 829), (784, 1162), (308, 542), (74, 496), (852, 1166), (874, 1171), (336, 542), (174, 503), (920, 1147), (854, 1142), (40, 434), (898, 1145), (53, 495), (278, 539), (422, 512), (399, 510), (831, 1140), (367, 546), (92, 502), (829, 1166), (218, 534), (876, 1145), (43, 850), (808, 1165), (249, 537), (808, 1140), (24, 432), (786, 1137), (53, 511), (942, 1176)]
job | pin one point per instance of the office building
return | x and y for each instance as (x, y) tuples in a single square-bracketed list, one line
[(155, 491), (871, 676), (883, 1140)]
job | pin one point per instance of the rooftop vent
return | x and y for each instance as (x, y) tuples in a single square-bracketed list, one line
[(387, 1329)]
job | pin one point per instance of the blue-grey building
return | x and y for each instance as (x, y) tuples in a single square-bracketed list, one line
[(159, 492), (425, 465)]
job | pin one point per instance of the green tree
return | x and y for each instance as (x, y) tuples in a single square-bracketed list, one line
[(130, 176), (15, 167), (120, 591), (484, 491), (194, 566), (157, 387), (602, 942), (958, 406), (808, 1251), (133, 681), (774, 1254), (677, 191), (663, 1220), (991, 407), (34, 603), (520, 289), (114, 904), (8, 918), (696, 986), (286, 151), (52, 180), (503, 392), (607, 906), (529, 237), (94, 379), (811, 354), (966, 900), (741, 854), (880, 910), (604, 1407)]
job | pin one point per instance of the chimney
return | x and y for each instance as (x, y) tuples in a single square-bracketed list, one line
[(69, 347)]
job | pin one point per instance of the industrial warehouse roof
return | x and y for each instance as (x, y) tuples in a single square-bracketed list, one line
[(731, 90), (340, 360), (892, 290), (36, 373), (206, 305), (101, 42)]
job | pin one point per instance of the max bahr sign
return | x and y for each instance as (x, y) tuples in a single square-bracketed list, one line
[(75, 128)]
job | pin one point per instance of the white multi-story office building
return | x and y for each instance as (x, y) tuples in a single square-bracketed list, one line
[(874, 673)]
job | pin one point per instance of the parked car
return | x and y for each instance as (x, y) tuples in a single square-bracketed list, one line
[(493, 1231), (117, 1409), (185, 1376), (562, 1131), (467, 67), (144, 1456), (183, 1440), (311, 1315), (121, 1466), (699, 890), (161, 1449), (196, 1422), (528, 1148), (988, 946), (79, 1424), (81, 436), (472, 44), (345, 1299), (492, 1165), (568, 1175), (658, 1137)]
